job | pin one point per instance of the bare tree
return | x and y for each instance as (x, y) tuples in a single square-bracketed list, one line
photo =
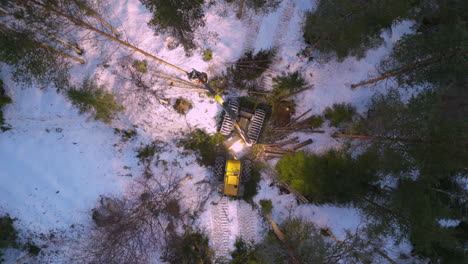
[(132, 229)]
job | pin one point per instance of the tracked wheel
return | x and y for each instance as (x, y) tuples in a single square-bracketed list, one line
[(228, 123), (246, 171), (256, 125), (219, 166)]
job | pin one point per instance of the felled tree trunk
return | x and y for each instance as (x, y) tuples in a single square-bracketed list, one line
[(74, 47), (280, 236)]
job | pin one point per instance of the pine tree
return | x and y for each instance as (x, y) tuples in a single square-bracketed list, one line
[(426, 172), (439, 46), (334, 177), (32, 64), (179, 18), (259, 6), (349, 28), (92, 98)]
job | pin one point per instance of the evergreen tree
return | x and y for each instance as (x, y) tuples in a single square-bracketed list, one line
[(179, 18), (334, 177), (32, 64), (259, 6), (437, 52), (349, 28), (426, 169), (8, 234), (93, 98), (4, 100)]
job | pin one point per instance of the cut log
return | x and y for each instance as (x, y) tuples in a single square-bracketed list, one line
[(300, 145), (280, 144), (298, 130), (297, 118)]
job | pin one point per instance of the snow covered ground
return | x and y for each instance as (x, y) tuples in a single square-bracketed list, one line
[(54, 163)]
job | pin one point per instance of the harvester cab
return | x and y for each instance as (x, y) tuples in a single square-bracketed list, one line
[(249, 120), (232, 174)]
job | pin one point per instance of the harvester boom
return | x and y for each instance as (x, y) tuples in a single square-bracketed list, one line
[(226, 108)]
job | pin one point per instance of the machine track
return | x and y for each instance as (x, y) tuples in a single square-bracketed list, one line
[(228, 123), (255, 126)]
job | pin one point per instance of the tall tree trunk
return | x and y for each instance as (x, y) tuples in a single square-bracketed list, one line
[(385, 256), (45, 46), (397, 214), (411, 140), (94, 14), (404, 69), (74, 47), (85, 25), (240, 11)]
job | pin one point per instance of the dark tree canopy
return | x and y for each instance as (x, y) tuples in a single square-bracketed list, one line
[(179, 18), (439, 46), (332, 177), (93, 98), (31, 64), (349, 28)]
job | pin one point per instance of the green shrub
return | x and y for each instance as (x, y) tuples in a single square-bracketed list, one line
[(316, 121), (146, 152), (92, 98), (207, 146), (141, 66), (266, 205), (339, 113), (8, 234), (251, 186), (244, 253), (207, 55)]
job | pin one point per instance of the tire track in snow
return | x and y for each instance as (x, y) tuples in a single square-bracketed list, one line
[(247, 221), (221, 229), (281, 31), (252, 34)]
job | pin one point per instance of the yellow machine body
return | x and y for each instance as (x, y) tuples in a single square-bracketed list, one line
[(232, 178)]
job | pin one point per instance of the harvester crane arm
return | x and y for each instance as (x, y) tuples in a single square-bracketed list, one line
[(225, 106)]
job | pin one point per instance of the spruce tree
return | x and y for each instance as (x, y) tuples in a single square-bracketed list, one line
[(179, 18), (333, 177), (349, 28), (437, 52), (31, 64), (93, 98)]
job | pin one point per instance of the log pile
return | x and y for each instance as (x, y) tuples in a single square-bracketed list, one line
[(279, 133), (280, 149)]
